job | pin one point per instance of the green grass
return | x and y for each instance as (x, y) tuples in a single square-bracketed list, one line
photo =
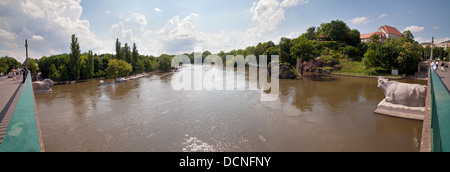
[(357, 68)]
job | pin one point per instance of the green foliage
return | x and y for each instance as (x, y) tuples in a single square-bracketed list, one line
[(75, 58), (118, 68), (302, 48), (8, 63), (54, 73), (164, 63), (398, 54), (89, 65), (32, 66)]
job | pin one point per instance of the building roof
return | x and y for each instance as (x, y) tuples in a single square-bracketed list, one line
[(391, 30), (368, 35)]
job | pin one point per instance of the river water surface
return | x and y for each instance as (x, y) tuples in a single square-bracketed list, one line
[(316, 113)]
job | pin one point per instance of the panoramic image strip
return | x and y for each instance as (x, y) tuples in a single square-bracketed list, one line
[(224, 76)]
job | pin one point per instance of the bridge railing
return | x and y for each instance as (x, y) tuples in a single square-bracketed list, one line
[(440, 115), (23, 133)]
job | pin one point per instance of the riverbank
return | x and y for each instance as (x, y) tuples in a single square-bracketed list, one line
[(357, 69)]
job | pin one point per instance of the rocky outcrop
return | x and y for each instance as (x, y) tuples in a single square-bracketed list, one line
[(286, 71)]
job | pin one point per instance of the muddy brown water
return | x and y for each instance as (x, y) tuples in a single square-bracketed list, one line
[(316, 113)]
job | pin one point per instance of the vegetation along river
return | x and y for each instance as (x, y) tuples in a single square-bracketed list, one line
[(316, 113)]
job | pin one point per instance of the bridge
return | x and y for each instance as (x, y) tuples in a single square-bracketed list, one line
[(436, 125), (19, 123)]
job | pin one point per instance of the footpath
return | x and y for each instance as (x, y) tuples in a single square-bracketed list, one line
[(10, 90)]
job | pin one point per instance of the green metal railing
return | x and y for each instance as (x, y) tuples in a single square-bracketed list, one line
[(22, 134), (440, 115)]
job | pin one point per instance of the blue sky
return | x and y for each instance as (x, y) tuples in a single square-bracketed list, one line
[(176, 26)]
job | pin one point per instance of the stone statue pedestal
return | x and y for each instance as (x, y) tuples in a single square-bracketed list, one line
[(43, 87), (400, 111), (402, 100)]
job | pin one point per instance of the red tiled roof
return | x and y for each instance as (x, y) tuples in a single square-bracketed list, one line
[(368, 35), (391, 30)]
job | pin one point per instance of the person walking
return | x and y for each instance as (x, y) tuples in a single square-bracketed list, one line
[(25, 73), (433, 65)]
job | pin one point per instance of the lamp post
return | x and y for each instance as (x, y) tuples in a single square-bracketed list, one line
[(26, 49), (432, 47)]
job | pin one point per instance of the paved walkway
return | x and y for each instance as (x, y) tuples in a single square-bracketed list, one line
[(10, 90), (445, 77)]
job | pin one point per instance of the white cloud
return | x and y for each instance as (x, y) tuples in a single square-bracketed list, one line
[(179, 35), (383, 15), (107, 12), (49, 22), (291, 3), (140, 18), (435, 27), (124, 35), (157, 10), (37, 37), (415, 29), (360, 20), (269, 13)]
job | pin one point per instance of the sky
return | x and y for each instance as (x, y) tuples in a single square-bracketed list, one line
[(179, 26)]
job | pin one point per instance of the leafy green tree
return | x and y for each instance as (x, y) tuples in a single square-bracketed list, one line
[(8, 63), (54, 73), (408, 35), (75, 58), (164, 63), (135, 59), (118, 68), (118, 49), (301, 51), (311, 33), (64, 73), (89, 65)]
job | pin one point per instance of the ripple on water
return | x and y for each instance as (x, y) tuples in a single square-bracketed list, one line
[(194, 144)]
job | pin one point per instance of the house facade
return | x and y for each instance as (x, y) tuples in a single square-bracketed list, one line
[(444, 45), (384, 32)]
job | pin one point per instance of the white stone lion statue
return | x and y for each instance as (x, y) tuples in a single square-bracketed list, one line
[(43, 87), (412, 95)]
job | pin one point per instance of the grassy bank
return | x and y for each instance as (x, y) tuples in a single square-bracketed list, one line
[(357, 68)]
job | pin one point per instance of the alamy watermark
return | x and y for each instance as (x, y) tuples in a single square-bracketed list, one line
[(213, 79)]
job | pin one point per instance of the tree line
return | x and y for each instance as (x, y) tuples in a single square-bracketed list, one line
[(77, 65), (330, 43)]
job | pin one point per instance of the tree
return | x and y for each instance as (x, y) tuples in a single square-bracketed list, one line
[(32, 66), (90, 65), (394, 54), (336, 30), (118, 48), (135, 58), (301, 50), (64, 73), (75, 58), (164, 63), (408, 35), (126, 53), (285, 50), (54, 73), (311, 33), (8, 63), (118, 68)]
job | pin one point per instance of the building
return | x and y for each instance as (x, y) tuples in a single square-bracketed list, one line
[(425, 44), (444, 45), (384, 32)]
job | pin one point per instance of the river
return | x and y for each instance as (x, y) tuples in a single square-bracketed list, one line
[(316, 113)]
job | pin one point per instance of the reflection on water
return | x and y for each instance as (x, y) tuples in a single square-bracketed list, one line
[(316, 113)]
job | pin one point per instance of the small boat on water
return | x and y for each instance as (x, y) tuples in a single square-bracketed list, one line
[(101, 81), (121, 80), (177, 69)]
